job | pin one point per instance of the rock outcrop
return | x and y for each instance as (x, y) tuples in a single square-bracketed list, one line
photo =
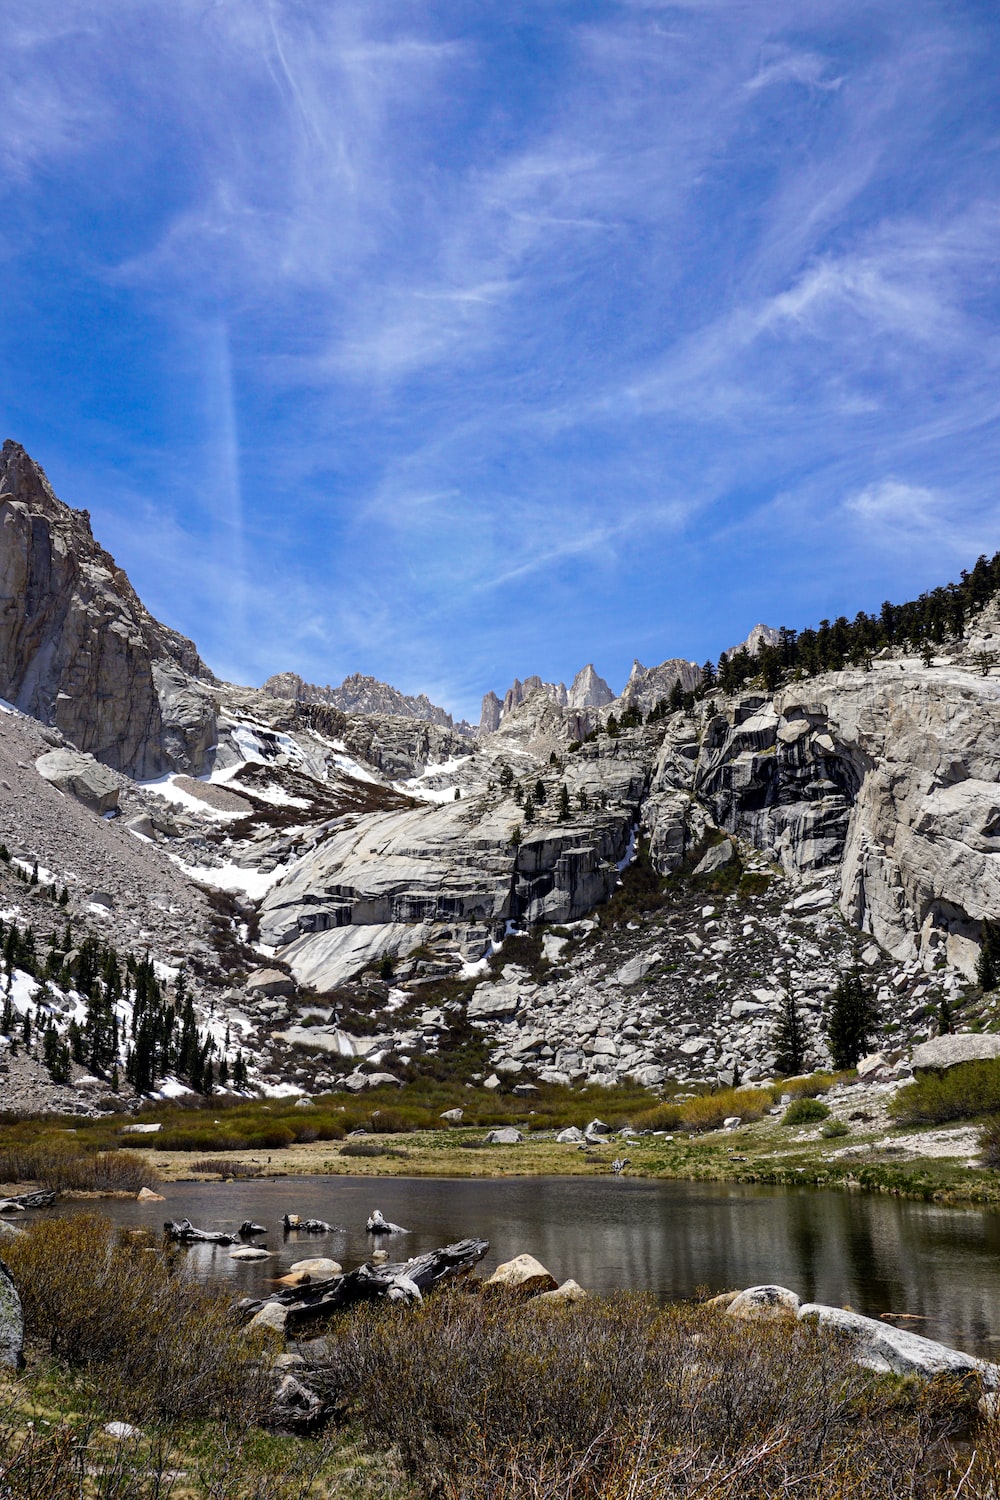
[(892, 776), (648, 686), (358, 694), (78, 650)]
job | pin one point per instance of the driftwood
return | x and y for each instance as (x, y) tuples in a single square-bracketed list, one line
[(404, 1282), (41, 1198), (184, 1232), (307, 1226), (248, 1228), (378, 1225)]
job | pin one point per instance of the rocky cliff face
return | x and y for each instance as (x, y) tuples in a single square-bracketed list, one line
[(77, 648), (588, 691), (647, 686), (888, 777), (358, 694)]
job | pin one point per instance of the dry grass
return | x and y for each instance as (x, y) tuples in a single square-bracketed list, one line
[(64, 1166)]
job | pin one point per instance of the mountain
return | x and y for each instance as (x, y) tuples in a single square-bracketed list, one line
[(360, 695), (77, 647), (648, 686), (676, 876), (760, 635), (588, 691)]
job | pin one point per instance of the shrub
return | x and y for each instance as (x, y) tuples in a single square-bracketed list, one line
[(832, 1129), (163, 1344), (805, 1111), (489, 1398), (63, 1166), (962, 1093)]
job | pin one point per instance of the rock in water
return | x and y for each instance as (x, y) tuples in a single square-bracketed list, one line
[(11, 1322)]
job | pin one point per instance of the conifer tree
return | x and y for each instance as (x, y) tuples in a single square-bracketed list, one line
[(988, 962), (563, 814), (853, 1018), (789, 1038)]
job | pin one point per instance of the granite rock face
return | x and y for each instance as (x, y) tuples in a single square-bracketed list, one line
[(646, 686), (358, 694), (77, 648)]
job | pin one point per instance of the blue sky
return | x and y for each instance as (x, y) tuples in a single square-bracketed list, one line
[(456, 341)]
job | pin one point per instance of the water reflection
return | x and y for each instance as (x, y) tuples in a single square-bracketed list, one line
[(669, 1238)]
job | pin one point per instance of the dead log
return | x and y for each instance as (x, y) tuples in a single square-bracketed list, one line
[(379, 1225), (184, 1232), (41, 1198), (406, 1281), (306, 1226)]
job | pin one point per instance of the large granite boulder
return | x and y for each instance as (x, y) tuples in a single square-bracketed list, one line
[(895, 1349), (944, 1052), (80, 776), (11, 1322)]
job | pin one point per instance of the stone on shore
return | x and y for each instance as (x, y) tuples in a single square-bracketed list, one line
[(568, 1292), (886, 1348), (764, 1303), (523, 1274)]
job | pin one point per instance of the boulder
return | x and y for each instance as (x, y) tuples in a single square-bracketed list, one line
[(269, 982), (272, 1315), (523, 1274), (80, 776), (571, 1136), (895, 1349), (943, 1052), (716, 858), (758, 1303), (146, 1195), (250, 1252), (316, 1266), (12, 1322), (570, 1291), (506, 1135), (637, 968), (453, 1116)]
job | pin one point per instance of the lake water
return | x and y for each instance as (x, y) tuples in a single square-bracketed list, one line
[(875, 1254)]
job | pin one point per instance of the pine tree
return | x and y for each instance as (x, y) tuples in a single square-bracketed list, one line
[(529, 810), (539, 793), (583, 799), (516, 836), (563, 814), (789, 1038), (853, 1018), (988, 962)]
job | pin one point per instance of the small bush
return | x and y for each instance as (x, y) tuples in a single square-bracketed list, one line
[(832, 1129), (805, 1111)]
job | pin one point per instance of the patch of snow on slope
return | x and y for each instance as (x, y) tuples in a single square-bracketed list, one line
[(235, 878), (164, 787)]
